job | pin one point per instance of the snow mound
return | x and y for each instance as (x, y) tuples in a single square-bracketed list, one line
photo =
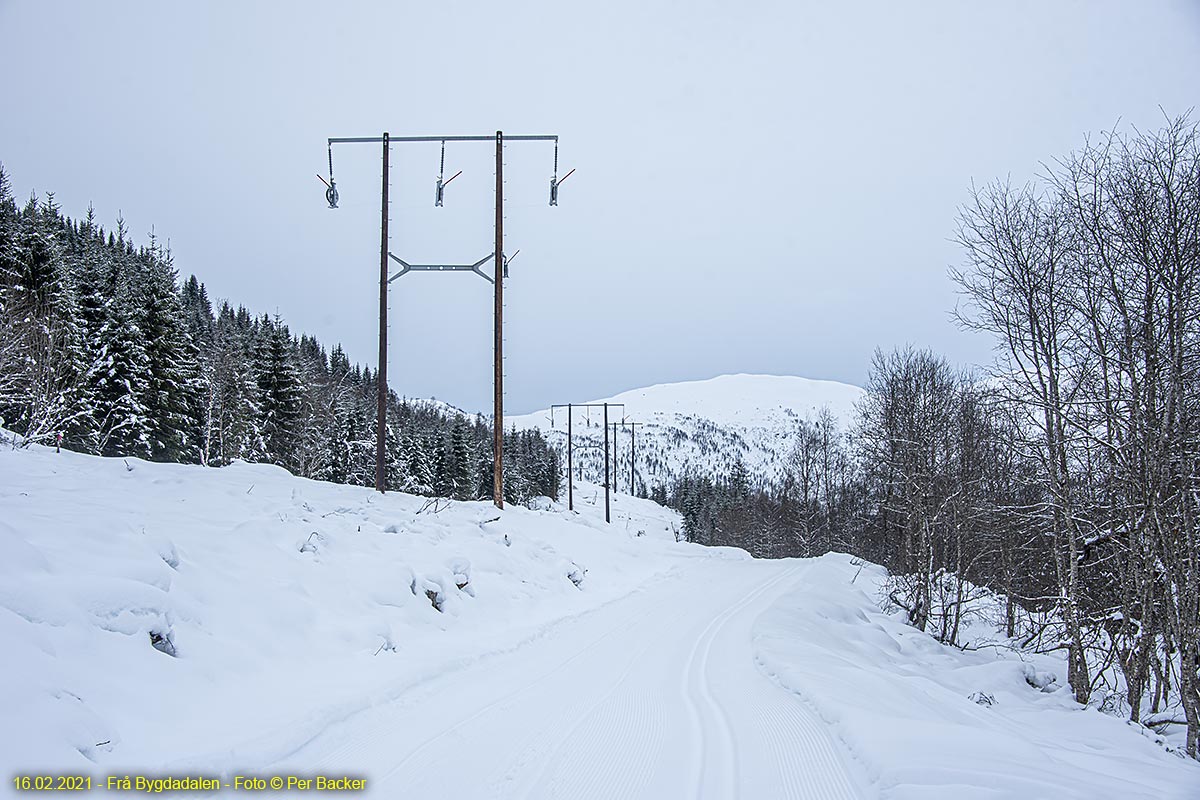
[(172, 616), (930, 721)]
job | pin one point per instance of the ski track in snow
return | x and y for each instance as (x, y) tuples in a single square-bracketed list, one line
[(673, 671), (656, 695)]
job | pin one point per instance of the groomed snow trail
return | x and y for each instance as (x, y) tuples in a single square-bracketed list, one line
[(655, 695)]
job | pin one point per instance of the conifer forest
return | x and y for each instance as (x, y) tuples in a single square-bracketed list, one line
[(101, 343)]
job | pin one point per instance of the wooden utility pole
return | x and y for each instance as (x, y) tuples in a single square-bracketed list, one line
[(633, 459), (570, 465), (498, 324), (381, 373), (607, 482), (632, 454), (570, 407), (615, 458)]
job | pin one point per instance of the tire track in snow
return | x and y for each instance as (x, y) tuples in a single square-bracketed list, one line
[(811, 764), (579, 774), (656, 701), (697, 683)]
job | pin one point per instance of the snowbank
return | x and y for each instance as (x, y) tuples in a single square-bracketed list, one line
[(929, 721), (158, 616)]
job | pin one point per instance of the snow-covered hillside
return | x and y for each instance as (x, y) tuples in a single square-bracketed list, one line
[(700, 426), (301, 600), (930, 721), (173, 620)]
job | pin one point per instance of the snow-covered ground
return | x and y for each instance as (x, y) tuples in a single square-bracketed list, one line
[(306, 640), (290, 603), (936, 723), (700, 426)]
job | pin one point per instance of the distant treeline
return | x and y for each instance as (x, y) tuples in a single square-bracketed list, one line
[(1069, 477), (100, 343)]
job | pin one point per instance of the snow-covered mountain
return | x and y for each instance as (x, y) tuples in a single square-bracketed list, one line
[(698, 426)]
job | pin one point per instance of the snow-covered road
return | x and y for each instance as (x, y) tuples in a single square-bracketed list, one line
[(462, 652), (654, 695)]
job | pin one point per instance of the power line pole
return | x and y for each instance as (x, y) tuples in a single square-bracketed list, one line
[(616, 459), (500, 271), (498, 330), (570, 448), (607, 483), (570, 463), (633, 426), (381, 373)]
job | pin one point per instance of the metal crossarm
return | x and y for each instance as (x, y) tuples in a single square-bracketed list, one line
[(395, 139), (407, 267)]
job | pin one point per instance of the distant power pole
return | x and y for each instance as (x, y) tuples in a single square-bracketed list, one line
[(616, 458), (571, 451), (633, 426), (500, 265), (607, 482)]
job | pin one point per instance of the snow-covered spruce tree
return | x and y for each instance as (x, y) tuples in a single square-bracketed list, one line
[(540, 463), (52, 375), (417, 469), (281, 392), (734, 512), (395, 471), (485, 470), (197, 313), (12, 346), (90, 264), (232, 413), (361, 433), (461, 461), (517, 489), (122, 383), (174, 401), (440, 466), (338, 398), (313, 452)]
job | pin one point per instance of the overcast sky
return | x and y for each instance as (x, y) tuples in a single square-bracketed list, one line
[(761, 187)]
